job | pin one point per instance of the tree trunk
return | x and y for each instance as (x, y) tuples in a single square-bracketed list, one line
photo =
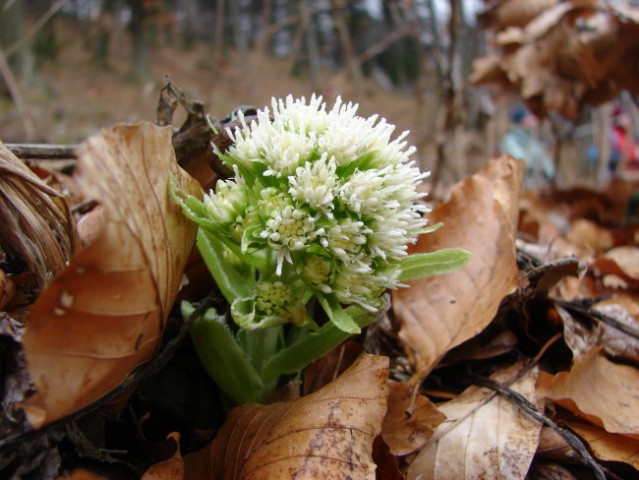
[(218, 40), (447, 131), (239, 36), (139, 41)]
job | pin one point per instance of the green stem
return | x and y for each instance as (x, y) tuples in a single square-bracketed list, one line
[(260, 345)]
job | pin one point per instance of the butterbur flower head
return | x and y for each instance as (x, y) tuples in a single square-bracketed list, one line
[(327, 194)]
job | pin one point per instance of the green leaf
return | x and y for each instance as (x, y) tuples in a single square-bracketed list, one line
[(337, 315), (223, 358), (434, 263)]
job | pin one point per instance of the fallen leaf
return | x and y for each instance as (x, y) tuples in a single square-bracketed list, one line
[(551, 471), (553, 447), (626, 258), (405, 432), (587, 235), (36, 222), (597, 390), (616, 342), (482, 439), (608, 446), (439, 312), (81, 474), (328, 434), (579, 335), (7, 289), (170, 469), (387, 463), (104, 315)]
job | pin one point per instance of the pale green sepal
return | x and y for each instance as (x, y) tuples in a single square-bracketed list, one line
[(425, 264)]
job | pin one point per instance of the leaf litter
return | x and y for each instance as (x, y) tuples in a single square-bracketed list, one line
[(494, 361)]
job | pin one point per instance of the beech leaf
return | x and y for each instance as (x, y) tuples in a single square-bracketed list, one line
[(581, 390), (407, 428), (169, 469), (491, 439), (104, 315), (611, 447), (328, 434), (439, 312)]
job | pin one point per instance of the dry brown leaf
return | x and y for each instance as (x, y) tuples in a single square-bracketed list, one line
[(616, 342), (567, 56), (328, 434), (81, 474), (608, 446), (589, 236), (553, 447), (437, 313), (514, 13), (7, 289), (488, 440), (405, 432), (105, 313), (36, 222), (579, 335), (552, 471), (170, 469), (627, 259), (598, 390)]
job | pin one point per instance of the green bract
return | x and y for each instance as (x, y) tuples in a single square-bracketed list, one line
[(320, 212)]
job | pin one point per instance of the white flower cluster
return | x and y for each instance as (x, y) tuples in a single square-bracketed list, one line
[(328, 192)]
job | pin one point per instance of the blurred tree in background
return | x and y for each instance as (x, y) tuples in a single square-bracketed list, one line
[(427, 53)]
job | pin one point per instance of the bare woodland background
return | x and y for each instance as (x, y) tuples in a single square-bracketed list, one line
[(71, 67)]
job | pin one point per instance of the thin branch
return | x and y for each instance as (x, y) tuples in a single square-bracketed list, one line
[(531, 410), (28, 151), (394, 36), (445, 136), (603, 318)]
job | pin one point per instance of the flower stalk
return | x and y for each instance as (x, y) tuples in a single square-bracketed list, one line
[(317, 218)]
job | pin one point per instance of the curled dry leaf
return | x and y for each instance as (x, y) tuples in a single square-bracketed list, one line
[(407, 428), (598, 390), (328, 434), (482, 439), (170, 469), (105, 313), (36, 222), (439, 312)]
